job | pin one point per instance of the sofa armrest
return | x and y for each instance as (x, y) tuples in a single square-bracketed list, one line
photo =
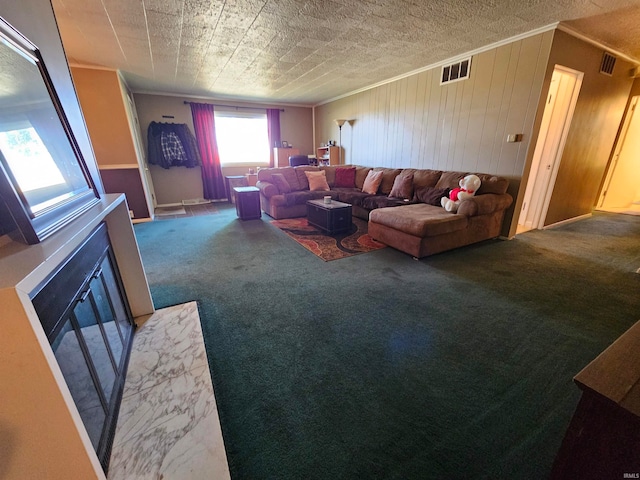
[(484, 204), (267, 189)]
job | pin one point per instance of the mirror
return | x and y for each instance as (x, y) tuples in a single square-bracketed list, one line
[(44, 182)]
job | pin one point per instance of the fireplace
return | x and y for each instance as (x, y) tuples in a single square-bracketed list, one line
[(85, 315)]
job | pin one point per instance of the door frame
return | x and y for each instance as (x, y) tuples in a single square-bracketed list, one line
[(538, 221), (617, 150)]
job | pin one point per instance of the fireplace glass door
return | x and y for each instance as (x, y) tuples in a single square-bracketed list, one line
[(92, 336)]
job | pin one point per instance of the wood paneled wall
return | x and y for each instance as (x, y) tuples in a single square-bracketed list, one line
[(416, 122), (593, 130)]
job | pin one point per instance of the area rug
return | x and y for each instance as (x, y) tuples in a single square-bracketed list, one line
[(330, 247)]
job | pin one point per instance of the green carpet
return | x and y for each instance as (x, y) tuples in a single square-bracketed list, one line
[(380, 366)]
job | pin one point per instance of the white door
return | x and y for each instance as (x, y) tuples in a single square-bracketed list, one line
[(556, 120), (621, 191)]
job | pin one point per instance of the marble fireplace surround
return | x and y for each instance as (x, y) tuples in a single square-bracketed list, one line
[(168, 425)]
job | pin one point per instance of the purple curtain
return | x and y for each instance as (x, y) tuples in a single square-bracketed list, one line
[(205, 129), (273, 130)]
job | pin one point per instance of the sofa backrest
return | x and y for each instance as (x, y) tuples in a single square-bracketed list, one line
[(330, 172), (492, 184), (425, 177), (361, 174), (303, 181), (421, 178), (388, 177), (489, 183), (294, 176)]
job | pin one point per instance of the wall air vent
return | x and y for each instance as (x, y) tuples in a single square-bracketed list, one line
[(456, 71), (608, 62)]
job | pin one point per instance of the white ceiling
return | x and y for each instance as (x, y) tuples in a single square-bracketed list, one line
[(306, 52)]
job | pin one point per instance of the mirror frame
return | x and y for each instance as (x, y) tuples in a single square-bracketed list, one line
[(24, 225)]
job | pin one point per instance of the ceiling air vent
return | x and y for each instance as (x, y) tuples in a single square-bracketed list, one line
[(608, 62), (456, 71)]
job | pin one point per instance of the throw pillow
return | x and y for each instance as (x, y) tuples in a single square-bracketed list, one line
[(402, 187), (430, 195), (317, 181), (345, 177), (372, 182), (279, 181)]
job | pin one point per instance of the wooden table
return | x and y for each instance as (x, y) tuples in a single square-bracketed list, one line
[(247, 202), (334, 217), (603, 438)]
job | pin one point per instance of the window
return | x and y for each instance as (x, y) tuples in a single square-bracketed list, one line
[(242, 138), (40, 178)]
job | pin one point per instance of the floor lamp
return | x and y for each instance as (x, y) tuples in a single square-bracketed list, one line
[(340, 123)]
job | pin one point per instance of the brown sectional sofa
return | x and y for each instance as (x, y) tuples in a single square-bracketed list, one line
[(418, 229)]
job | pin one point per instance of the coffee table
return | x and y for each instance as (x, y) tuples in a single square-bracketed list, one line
[(334, 217)]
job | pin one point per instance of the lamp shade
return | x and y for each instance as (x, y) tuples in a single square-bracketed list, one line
[(340, 122)]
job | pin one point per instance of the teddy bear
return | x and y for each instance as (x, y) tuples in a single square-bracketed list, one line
[(469, 185)]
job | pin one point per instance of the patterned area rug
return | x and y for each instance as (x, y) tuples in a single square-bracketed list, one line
[(330, 247)]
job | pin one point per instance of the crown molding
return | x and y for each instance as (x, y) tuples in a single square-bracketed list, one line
[(455, 59), (581, 36), (261, 103)]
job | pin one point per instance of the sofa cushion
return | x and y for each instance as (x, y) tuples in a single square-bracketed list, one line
[(372, 182), (426, 178), (264, 174), (345, 177), (450, 179), (420, 219), (388, 177), (361, 175), (330, 171), (430, 195), (317, 181), (402, 186), (301, 196), (279, 181), (302, 177), (353, 197), (492, 184), (380, 201), (291, 177)]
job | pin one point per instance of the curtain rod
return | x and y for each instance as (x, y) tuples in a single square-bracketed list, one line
[(230, 106)]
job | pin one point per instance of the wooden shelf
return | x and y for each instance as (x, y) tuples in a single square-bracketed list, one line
[(328, 153)]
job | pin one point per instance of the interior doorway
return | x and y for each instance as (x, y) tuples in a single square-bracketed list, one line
[(556, 120), (621, 188)]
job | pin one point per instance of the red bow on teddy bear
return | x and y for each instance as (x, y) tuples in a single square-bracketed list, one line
[(453, 195)]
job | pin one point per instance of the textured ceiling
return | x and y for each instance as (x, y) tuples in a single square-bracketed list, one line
[(306, 52)]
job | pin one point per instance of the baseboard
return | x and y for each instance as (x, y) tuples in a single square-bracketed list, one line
[(164, 205), (567, 221)]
